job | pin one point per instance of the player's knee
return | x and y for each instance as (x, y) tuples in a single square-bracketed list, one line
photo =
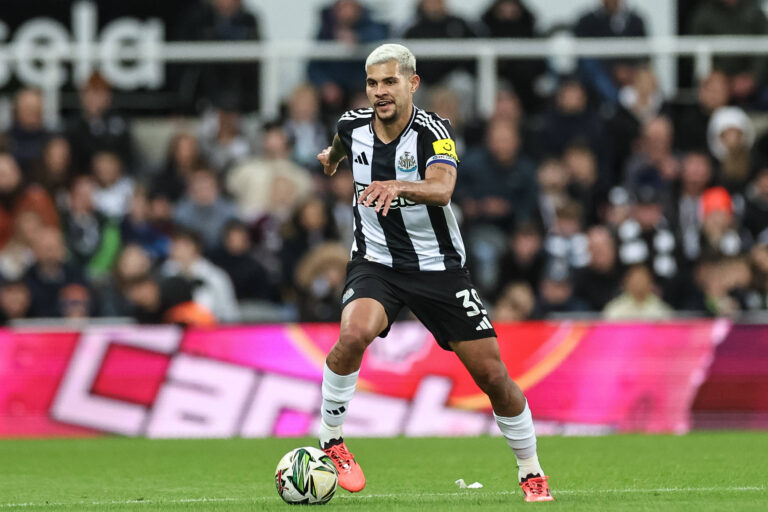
[(356, 338), (492, 378)]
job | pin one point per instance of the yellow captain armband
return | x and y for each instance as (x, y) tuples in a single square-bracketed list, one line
[(445, 147)]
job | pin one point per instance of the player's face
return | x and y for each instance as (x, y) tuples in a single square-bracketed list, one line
[(389, 90)]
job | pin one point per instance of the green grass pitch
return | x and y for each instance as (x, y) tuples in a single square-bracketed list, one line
[(697, 472)]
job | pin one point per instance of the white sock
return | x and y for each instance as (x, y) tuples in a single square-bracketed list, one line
[(337, 391), (521, 437)]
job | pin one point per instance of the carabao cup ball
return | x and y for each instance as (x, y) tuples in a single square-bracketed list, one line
[(306, 476)]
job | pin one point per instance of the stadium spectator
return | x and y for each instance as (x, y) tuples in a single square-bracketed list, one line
[(220, 136), (15, 301), (757, 299), (51, 275), (212, 286), (434, 21), (445, 102), (731, 134), (17, 255), (756, 211), (113, 190), (16, 197), (304, 127), (133, 264), (552, 180), (508, 107), (183, 157), (167, 300), (342, 189), (349, 22), (513, 19), (566, 240), (691, 124), (27, 134), (497, 176), (613, 18), (720, 236), (640, 103), (600, 281), (319, 281), (735, 17), (617, 209), (139, 227), (645, 237), (92, 238), (515, 304), (523, 261), (683, 211), (54, 171), (219, 20), (75, 302), (309, 226), (583, 186), (569, 120), (556, 292), (638, 301), (272, 184), (203, 209), (249, 277), (97, 128), (653, 163)]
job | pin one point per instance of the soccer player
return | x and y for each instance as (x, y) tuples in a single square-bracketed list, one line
[(407, 250)]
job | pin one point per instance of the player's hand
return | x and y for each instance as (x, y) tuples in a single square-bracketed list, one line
[(324, 157), (380, 193)]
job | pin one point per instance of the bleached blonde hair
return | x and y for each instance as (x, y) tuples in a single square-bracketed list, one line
[(397, 52)]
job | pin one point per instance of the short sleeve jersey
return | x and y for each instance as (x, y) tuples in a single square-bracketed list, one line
[(412, 236)]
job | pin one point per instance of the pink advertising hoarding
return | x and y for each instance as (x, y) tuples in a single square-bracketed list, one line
[(261, 381)]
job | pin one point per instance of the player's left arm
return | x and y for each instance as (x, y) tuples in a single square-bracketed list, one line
[(435, 189)]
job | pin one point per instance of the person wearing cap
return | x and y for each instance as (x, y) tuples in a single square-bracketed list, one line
[(646, 237), (730, 136), (720, 235)]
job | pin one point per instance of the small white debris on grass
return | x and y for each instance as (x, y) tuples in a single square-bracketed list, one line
[(463, 485)]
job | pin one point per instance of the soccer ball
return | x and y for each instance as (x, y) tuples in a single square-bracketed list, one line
[(306, 476)]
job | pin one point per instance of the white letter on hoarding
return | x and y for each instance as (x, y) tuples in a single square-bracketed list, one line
[(276, 393), (202, 398), (74, 403), (39, 45), (142, 41), (430, 416), (84, 25)]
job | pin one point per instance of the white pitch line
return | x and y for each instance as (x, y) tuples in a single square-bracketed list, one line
[(468, 492)]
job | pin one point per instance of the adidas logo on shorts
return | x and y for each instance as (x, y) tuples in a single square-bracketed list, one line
[(484, 324)]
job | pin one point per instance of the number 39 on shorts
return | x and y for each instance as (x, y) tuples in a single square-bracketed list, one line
[(471, 302)]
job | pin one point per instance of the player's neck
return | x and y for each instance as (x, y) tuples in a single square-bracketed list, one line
[(387, 132)]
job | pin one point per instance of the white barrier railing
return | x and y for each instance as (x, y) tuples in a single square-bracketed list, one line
[(147, 57)]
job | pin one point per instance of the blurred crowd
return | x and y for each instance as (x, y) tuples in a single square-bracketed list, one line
[(596, 196)]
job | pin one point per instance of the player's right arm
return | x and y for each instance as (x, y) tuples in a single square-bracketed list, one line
[(331, 156)]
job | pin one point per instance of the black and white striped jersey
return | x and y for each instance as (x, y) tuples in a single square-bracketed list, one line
[(412, 236)]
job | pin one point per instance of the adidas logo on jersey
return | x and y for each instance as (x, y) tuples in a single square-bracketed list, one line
[(362, 159), (484, 324)]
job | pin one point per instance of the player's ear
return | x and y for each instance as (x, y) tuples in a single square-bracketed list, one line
[(415, 80)]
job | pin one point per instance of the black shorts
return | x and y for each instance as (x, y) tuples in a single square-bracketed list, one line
[(446, 302)]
